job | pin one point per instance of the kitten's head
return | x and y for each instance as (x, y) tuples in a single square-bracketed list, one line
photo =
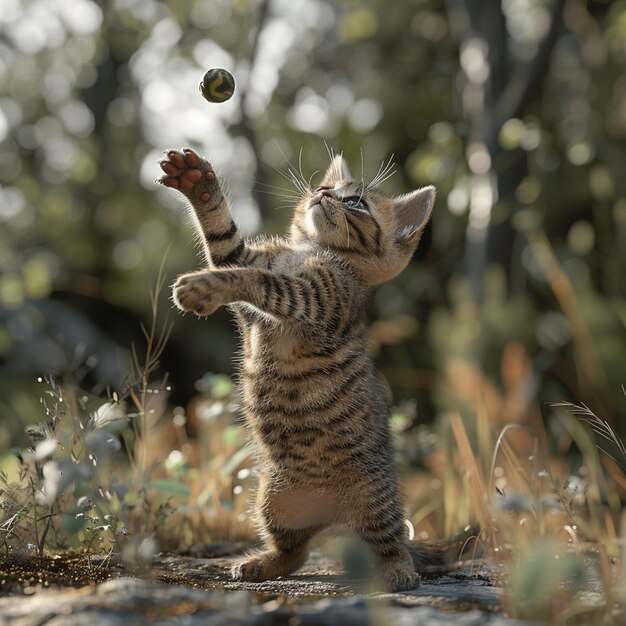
[(377, 234)]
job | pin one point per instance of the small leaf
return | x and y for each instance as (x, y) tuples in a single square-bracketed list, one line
[(44, 449), (106, 414), (222, 386)]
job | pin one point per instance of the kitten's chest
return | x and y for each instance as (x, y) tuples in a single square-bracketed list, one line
[(273, 350)]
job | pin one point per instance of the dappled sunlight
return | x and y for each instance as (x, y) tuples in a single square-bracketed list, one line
[(502, 345)]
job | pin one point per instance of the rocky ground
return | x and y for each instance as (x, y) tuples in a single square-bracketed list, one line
[(190, 590)]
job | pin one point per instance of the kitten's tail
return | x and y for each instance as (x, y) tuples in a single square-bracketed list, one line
[(441, 555)]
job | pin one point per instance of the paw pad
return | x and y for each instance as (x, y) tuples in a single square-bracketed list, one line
[(190, 174)]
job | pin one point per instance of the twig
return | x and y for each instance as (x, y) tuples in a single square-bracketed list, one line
[(48, 518)]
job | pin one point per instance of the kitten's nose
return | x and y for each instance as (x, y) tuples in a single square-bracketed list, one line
[(320, 194)]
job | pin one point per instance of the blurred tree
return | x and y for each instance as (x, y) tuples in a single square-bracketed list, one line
[(514, 110)]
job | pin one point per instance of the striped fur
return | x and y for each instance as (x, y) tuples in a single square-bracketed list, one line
[(311, 397)]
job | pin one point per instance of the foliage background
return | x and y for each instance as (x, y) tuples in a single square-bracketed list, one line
[(515, 110)]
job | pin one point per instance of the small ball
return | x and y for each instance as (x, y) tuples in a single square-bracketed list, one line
[(217, 85)]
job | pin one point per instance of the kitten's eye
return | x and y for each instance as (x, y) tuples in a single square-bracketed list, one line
[(355, 203)]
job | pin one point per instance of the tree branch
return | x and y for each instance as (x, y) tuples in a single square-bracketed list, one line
[(528, 76)]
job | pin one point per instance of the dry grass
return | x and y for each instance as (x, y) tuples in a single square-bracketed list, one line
[(550, 518), (133, 475), (551, 521)]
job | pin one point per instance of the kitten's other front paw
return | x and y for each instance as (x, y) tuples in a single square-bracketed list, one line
[(192, 175), (265, 566), (249, 570), (200, 292)]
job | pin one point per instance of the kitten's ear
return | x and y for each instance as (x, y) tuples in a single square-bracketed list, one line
[(412, 214), (337, 170)]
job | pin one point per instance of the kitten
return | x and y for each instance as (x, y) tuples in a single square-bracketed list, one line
[(311, 397)]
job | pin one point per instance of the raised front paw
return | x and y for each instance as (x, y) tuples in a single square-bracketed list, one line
[(191, 175), (201, 292)]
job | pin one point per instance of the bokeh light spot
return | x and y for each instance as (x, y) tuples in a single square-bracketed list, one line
[(359, 23), (601, 182), (580, 153), (581, 238), (528, 190), (127, 255), (365, 115), (511, 133), (11, 291)]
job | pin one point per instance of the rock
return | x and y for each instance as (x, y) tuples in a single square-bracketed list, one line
[(191, 591), (130, 602)]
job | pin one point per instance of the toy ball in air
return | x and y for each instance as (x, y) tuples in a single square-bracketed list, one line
[(217, 85)]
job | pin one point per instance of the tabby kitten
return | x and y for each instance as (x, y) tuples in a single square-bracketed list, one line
[(310, 394)]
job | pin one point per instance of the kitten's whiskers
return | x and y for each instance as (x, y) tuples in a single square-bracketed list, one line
[(385, 171), (279, 192), (293, 175)]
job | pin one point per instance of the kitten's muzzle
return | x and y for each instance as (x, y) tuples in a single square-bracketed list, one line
[(320, 195), (324, 200)]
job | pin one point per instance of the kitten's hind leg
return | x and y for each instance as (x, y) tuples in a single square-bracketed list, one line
[(286, 551), (380, 523), (398, 569)]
